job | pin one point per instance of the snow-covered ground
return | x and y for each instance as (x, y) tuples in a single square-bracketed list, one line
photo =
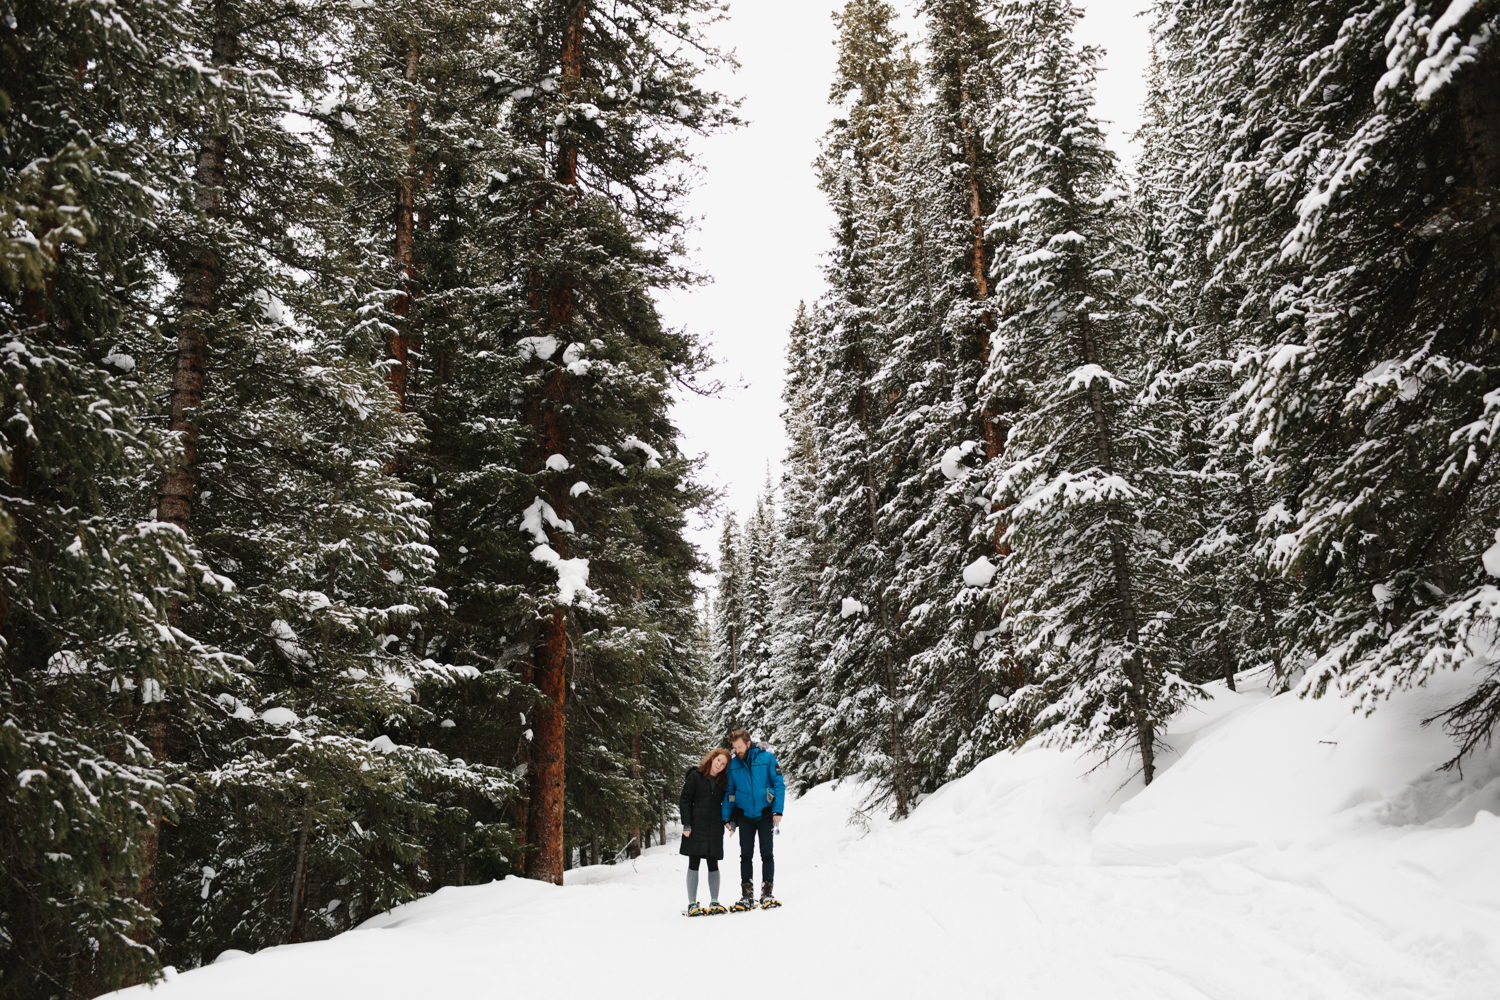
[(1289, 849)]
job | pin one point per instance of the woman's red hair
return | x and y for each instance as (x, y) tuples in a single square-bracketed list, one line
[(722, 778)]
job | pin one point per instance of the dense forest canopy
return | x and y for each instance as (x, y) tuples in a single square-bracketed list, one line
[(1069, 440), (342, 512)]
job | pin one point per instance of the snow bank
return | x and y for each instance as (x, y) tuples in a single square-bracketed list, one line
[(1288, 850)]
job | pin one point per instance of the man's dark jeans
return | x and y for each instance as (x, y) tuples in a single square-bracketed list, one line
[(766, 827)]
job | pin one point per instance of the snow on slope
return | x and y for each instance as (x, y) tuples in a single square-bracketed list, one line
[(1289, 849)]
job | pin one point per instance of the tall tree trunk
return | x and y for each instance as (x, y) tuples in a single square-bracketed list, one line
[(734, 673), (199, 284), (295, 926), (1135, 672), (544, 833), (897, 748), (544, 817), (979, 251), (635, 773), (1479, 112), (399, 341)]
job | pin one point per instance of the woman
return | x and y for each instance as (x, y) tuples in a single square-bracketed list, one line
[(702, 829)]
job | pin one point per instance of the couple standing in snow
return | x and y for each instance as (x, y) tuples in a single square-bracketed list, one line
[(742, 790)]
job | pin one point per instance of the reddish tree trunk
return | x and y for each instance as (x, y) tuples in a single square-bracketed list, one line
[(399, 342), (979, 255), (200, 283), (544, 821)]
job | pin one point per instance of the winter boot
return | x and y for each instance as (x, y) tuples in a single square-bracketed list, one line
[(694, 910), (746, 900), (767, 900)]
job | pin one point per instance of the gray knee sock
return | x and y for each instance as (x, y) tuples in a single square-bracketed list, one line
[(713, 884), (693, 884)]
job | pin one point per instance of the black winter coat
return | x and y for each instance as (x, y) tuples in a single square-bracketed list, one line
[(701, 802)]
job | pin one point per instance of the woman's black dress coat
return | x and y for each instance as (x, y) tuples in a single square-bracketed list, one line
[(701, 804)]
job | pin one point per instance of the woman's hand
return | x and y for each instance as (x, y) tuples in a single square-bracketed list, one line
[(686, 834)]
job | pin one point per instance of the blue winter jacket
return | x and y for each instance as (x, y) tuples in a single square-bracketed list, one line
[(754, 783)]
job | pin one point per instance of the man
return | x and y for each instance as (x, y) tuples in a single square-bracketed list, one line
[(756, 795)]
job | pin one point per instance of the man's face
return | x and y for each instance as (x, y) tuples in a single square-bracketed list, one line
[(740, 748)]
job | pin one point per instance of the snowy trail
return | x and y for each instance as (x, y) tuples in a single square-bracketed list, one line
[(1340, 868)]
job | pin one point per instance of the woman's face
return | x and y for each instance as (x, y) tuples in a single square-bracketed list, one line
[(717, 764)]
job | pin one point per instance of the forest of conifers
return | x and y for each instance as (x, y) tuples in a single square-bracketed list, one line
[(1068, 443), (343, 547), (342, 509)]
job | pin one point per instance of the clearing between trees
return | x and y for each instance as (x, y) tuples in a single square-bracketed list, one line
[(1288, 848)]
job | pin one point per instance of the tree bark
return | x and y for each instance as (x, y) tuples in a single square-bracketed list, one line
[(1479, 113), (398, 342), (544, 818), (979, 253), (897, 746), (545, 815), (635, 751), (1135, 673), (299, 880), (200, 281)]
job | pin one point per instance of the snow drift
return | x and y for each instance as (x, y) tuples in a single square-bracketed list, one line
[(1288, 849)]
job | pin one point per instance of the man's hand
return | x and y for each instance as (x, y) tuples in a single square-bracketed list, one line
[(776, 819), (728, 827)]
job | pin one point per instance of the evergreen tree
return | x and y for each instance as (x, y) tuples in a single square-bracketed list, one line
[(88, 648), (319, 797), (942, 429), (1078, 583), (863, 665), (603, 104), (1370, 277), (731, 685), (757, 558), (798, 706)]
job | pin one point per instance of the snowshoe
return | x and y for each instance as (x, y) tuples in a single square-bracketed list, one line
[(767, 900), (694, 910), (715, 908), (746, 902)]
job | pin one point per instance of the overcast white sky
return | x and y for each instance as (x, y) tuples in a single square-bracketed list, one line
[(764, 227)]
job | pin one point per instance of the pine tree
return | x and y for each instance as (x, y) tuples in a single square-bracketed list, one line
[(863, 664), (757, 559), (727, 616), (797, 702), (1077, 585), (1369, 279), (319, 796), (939, 296), (602, 105), (87, 582), (1225, 600)]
